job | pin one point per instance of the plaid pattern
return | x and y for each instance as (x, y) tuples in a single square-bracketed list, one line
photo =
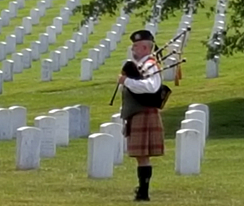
[(146, 137)]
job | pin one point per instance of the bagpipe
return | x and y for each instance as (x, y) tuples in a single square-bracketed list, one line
[(131, 70)]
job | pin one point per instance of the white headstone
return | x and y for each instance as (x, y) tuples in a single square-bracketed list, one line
[(94, 55), (205, 109), (11, 43), (151, 27), (55, 56), (125, 15), (188, 147), (112, 36), (1, 82), (42, 7), (71, 48), (71, 4), (6, 130), (197, 114), (213, 67), (48, 143), (91, 25), (47, 70), (44, 40), (27, 58), (18, 62), (118, 29), (49, 3), (102, 52), (100, 155), (0, 25), (78, 37), (106, 43), (85, 120), (117, 119), (115, 130), (169, 74), (85, 31), (65, 14), (13, 9), (196, 125), (18, 118), (5, 15), (8, 70), (35, 16), (58, 23), (19, 33), (61, 126), (21, 4), (3, 49), (86, 69), (77, 2), (28, 148), (27, 24), (35, 48), (51, 31), (64, 56), (122, 22), (74, 121)]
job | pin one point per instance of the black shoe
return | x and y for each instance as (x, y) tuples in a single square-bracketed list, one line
[(139, 196)]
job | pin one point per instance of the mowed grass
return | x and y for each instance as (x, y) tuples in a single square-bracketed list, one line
[(63, 179)]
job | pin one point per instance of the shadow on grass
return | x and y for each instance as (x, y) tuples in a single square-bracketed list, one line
[(226, 119)]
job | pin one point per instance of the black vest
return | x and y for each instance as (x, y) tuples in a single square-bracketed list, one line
[(134, 103)]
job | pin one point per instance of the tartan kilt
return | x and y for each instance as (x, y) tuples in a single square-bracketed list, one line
[(146, 134)]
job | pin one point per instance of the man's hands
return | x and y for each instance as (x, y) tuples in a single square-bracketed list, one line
[(121, 79)]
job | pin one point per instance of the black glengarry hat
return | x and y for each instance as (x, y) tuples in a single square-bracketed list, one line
[(141, 35)]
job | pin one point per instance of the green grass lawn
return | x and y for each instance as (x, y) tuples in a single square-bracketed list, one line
[(63, 179)]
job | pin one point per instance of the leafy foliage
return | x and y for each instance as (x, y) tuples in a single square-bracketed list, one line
[(144, 8)]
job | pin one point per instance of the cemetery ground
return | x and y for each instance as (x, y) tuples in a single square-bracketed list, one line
[(62, 180)]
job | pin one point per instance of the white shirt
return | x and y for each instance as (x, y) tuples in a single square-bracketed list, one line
[(148, 85)]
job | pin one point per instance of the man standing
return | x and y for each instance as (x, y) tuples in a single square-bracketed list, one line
[(144, 128)]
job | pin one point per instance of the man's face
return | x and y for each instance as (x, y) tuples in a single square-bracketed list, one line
[(138, 50)]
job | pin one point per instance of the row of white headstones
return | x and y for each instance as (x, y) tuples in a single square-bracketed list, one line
[(98, 55), (107, 147), (61, 57), (191, 140), (49, 131), (212, 67), (58, 58), (24, 59), (14, 6)]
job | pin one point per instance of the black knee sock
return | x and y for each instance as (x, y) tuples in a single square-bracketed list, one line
[(144, 174)]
